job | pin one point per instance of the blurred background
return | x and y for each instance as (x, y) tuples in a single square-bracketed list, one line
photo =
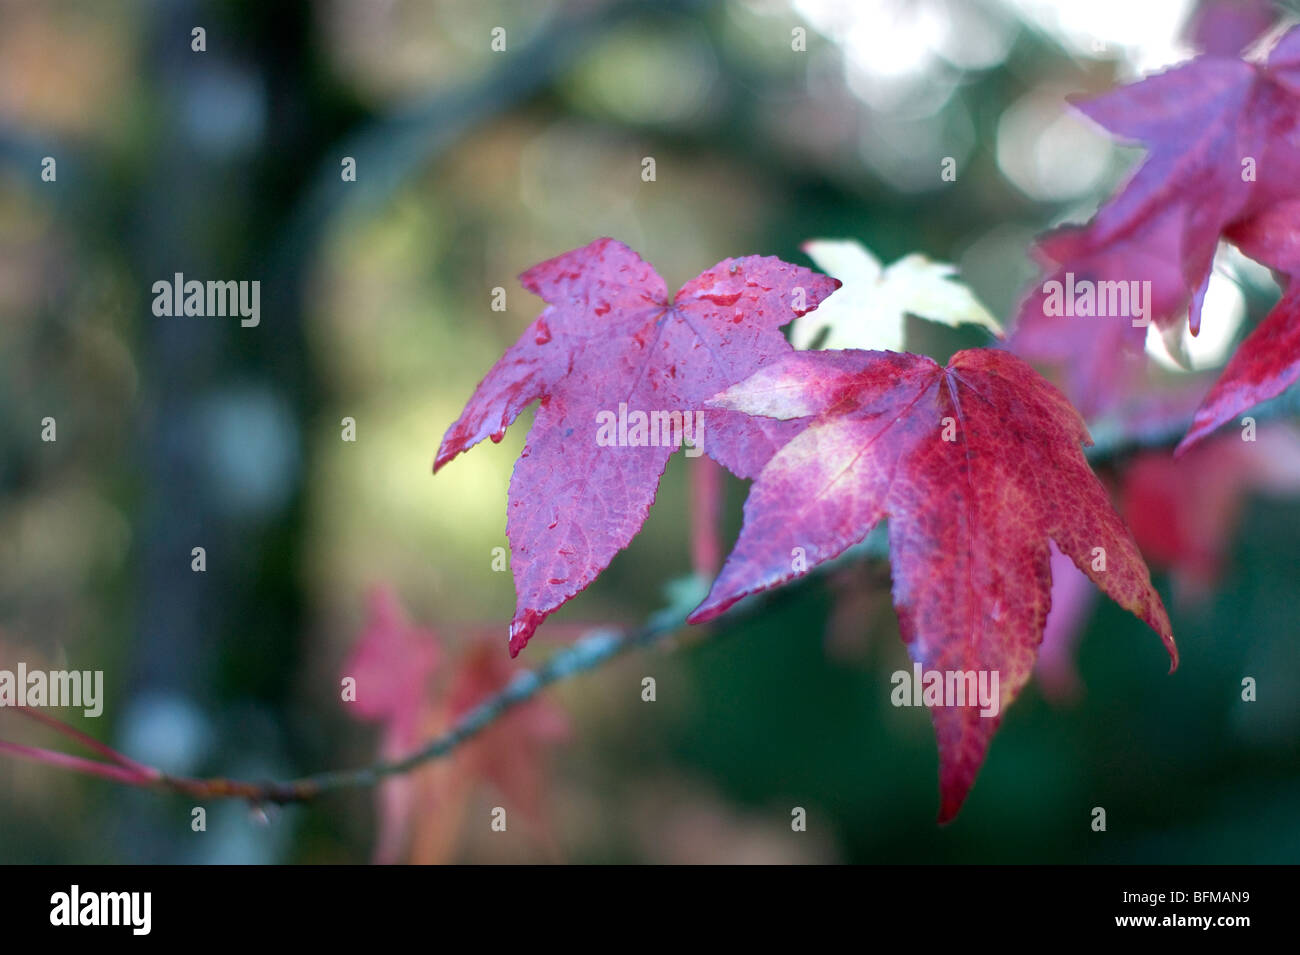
[(376, 294)]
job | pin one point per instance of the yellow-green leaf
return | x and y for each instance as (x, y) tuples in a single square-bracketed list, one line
[(869, 312)]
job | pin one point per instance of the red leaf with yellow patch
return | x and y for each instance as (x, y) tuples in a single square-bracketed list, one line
[(978, 467)]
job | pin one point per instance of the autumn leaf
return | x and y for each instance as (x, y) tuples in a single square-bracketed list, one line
[(1227, 27), (392, 664), (417, 689), (1183, 511), (1102, 359), (1223, 163), (510, 753), (1264, 365), (509, 759), (978, 467), (870, 311), (610, 353)]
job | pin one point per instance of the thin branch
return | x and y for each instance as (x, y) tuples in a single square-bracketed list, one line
[(90, 767), (586, 654), (84, 739)]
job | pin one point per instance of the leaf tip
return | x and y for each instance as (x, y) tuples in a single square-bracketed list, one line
[(950, 804), (453, 443), (522, 629), (444, 456), (1189, 439), (711, 609), (1157, 618)]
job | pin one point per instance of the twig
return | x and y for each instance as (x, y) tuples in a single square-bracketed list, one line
[(585, 654), (88, 741), (90, 767)]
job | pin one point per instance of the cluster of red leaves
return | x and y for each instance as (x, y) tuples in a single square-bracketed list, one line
[(994, 514), (977, 465), (1223, 163), (405, 683)]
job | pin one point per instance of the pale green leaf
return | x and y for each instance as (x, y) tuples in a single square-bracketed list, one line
[(870, 310)]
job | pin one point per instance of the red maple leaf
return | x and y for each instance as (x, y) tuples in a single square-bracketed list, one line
[(1226, 27), (1223, 140), (1183, 511), (405, 682), (392, 664), (509, 754), (978, 466), (612, 344)]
